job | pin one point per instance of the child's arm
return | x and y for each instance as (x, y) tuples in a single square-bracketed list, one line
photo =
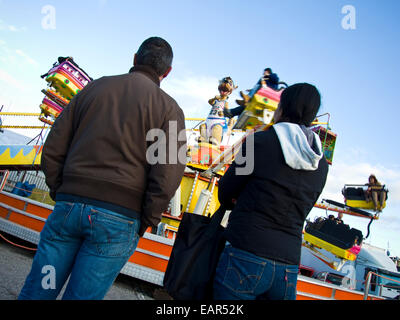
[(212, 100)]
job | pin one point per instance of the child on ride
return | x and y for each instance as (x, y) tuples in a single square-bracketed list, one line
[(216, 124)]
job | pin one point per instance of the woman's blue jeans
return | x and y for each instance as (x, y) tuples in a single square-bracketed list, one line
[(241, 275), (86, 243)]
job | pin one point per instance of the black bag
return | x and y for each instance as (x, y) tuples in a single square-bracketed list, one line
[(194, 258)]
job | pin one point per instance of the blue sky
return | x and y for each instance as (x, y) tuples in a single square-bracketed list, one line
[(356, 71)]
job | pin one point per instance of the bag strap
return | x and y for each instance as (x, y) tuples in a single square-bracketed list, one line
[(218, 215)]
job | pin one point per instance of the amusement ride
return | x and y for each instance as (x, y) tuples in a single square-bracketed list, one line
[(208, 157)]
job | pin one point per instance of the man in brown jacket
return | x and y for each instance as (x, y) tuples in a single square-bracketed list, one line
[(108, 189)]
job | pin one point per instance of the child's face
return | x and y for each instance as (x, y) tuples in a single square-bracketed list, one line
[(224, 89)]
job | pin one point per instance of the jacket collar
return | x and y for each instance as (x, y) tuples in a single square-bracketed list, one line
[(148, 71)]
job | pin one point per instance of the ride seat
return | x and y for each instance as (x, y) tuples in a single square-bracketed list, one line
[(339, 235), (357, 193), (354, 193)]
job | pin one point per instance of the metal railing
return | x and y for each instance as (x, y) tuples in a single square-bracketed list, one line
[(9, 180), (368, 282)]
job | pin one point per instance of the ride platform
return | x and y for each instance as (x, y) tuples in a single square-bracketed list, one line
[(343, 208), (25, 218)]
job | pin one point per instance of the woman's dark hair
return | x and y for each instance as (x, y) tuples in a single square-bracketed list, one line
[(299, 104), (156, 53), (373, 177)]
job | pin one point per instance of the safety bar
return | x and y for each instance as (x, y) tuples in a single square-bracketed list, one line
[(368, 282)]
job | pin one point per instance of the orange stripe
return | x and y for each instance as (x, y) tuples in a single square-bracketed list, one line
[(315, 289), (3, 212), (16, 203), (154, 246), (25, 221), (149, 261), (344, 295), (38, 210), (299, 296)]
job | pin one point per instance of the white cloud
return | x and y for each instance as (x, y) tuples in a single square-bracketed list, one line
[(12, 28), (10, 80), (14, 101), (16, 59), (193, 92), (201, 87), (347, 171), (4, 26), (342, 173), (27, 58), (102, 3)]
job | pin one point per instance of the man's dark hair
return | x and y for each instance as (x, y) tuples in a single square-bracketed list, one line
[(268, 69), (156, 53), (299, 104)]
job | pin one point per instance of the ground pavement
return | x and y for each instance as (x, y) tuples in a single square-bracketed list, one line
[(15, 264)]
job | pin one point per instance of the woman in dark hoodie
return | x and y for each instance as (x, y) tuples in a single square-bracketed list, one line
[(269, 206)]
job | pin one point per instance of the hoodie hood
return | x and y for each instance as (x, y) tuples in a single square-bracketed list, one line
[(301, 147)]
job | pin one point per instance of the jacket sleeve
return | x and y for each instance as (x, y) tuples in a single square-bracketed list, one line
[(233, 182), (56, 146), (163, 179), (274, 78)]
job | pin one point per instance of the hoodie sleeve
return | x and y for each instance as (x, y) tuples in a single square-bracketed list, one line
[(234, 180)]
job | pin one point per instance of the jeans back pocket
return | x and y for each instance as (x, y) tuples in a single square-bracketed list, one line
[(113, 235), (243, 271)]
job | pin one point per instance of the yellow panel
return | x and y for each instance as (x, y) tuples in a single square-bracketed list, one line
[(362, 204), (49, 111), (171, 222), (339, 252), (57, 80), (263, 102), (186, 189), (33, 157)]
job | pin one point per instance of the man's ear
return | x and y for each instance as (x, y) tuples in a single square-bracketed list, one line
[(134, 60), (167, 72)]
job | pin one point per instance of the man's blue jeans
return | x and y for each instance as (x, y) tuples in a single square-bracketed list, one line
[(241, 275), (87, 243)]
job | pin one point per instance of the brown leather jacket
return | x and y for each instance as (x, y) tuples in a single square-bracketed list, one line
[(97, 147)]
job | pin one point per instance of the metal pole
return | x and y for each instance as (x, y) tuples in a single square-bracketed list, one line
[(191, 192), (367, 285)]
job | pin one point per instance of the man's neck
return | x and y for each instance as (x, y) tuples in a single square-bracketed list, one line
[(148, 71)]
